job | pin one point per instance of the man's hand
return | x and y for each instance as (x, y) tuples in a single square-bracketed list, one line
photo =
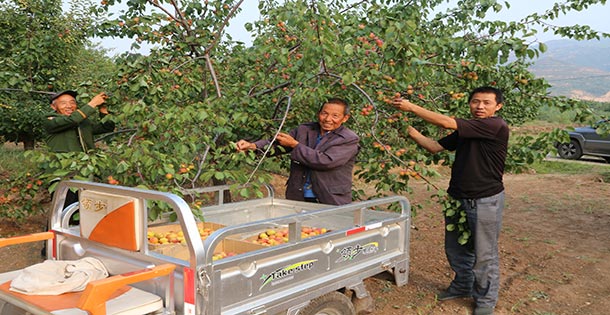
[(243, 145), (98, 100), (402, 104), (286, 140), (103, 109)]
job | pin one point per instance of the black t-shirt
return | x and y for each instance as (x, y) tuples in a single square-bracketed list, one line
[(480, 147)]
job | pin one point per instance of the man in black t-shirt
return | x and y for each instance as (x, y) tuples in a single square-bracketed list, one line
[(480, 146)]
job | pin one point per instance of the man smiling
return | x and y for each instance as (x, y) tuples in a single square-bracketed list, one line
[(70, 128), (322, 155)]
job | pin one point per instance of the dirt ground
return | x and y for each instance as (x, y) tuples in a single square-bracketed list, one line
[(555, 251)]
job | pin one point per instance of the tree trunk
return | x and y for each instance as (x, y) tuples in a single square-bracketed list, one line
[(28, 142)]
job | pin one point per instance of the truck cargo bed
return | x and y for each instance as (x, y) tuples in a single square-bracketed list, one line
[(229, 264)]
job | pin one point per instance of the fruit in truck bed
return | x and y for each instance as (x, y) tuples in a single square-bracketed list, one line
[(279, 236), (222, 255), (174, 237)]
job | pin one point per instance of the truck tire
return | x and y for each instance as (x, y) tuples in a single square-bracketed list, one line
[(334, 303), (570, 151)]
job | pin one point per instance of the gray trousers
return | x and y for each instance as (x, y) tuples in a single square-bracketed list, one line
[(476, 264)]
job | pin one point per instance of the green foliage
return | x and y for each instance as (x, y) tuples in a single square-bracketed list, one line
[(528, 149), (553, 114), (42, 50), (21, 116), (12, 159), (455, 217), (563, 167), (182, 107), (601, 109), (586, 112), (20, 193)]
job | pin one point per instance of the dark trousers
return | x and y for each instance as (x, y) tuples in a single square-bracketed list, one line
[(314, 200)]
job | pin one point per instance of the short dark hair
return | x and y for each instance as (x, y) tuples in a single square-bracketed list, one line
[(488, 89), (338, 101)]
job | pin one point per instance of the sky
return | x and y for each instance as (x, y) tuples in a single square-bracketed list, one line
[(595, 16)]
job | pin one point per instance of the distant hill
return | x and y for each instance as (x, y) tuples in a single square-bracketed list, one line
[(577, 69)]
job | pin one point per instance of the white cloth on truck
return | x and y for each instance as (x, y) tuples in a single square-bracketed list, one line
[(54, 277)]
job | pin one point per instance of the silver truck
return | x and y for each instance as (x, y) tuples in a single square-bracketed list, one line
[(303, 274)]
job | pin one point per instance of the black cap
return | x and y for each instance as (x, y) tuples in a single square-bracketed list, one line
[(69, 92)]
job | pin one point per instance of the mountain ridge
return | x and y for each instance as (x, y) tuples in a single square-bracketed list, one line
[(576, 69)]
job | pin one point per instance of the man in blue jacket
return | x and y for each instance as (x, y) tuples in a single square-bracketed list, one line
[(322, 155)]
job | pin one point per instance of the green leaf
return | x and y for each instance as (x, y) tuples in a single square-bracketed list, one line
[(348, 78), (348, 49), (463, 240), (122, 167), (542, 47), (219, 175)]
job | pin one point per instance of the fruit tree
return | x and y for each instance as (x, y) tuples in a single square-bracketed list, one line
[(198, 91), (42, 51)]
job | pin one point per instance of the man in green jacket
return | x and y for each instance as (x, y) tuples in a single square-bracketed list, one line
[(70, 128)]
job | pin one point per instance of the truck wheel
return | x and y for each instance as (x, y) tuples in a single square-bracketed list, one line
[(570, 151), (334, 303)]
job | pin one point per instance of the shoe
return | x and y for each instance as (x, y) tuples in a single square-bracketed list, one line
[(448, 295), (482, 310)]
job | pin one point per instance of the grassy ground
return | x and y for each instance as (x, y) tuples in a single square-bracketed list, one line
[(11, 158)]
